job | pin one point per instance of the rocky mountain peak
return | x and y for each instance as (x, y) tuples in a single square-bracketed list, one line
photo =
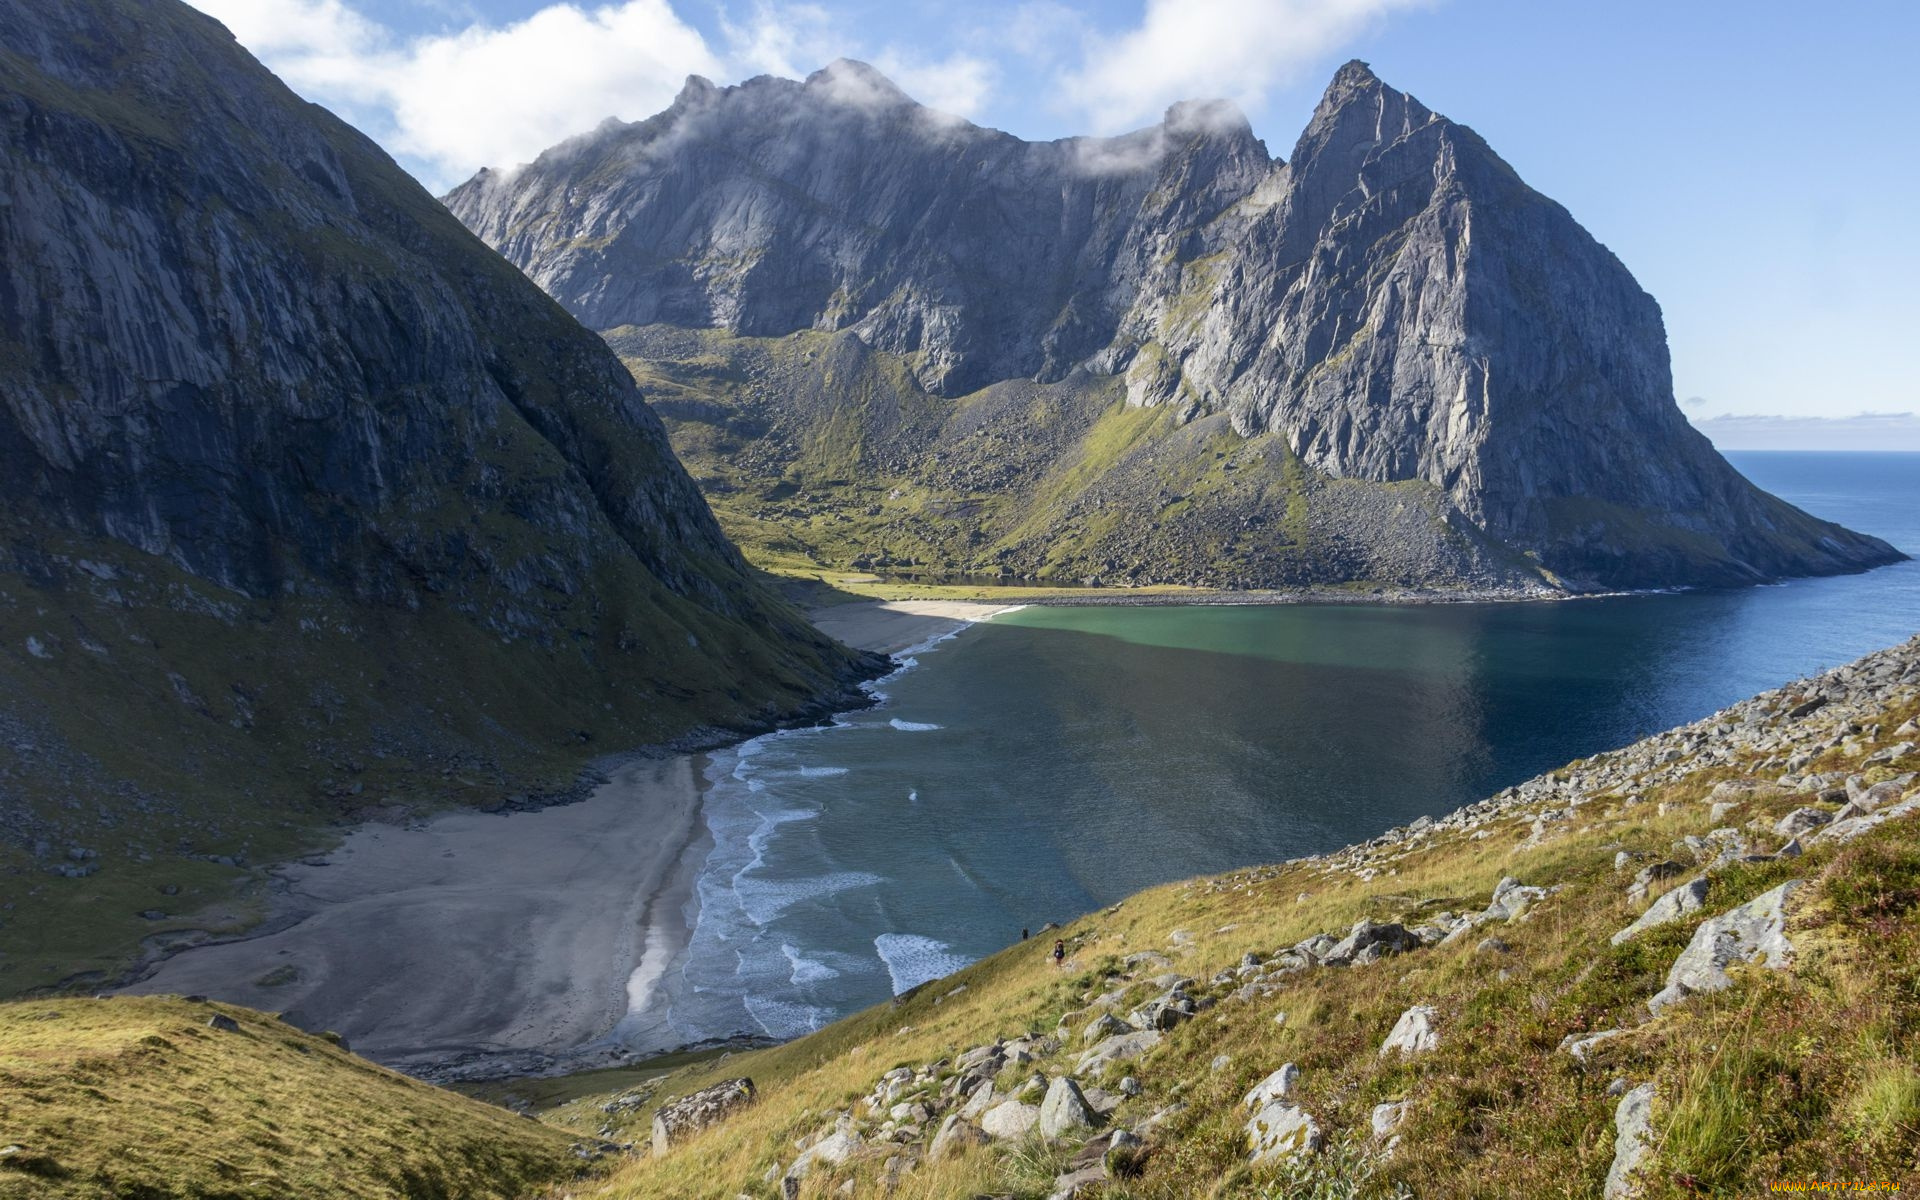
[(696, 91), (857, 84), (1394, 301)]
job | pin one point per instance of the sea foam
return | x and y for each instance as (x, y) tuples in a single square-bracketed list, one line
[(912, 959)]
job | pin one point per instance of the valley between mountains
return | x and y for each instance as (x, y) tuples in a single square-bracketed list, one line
[(339, 520)]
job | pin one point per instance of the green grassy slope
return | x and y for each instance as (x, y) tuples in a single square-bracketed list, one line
[(821, 456), (141, 1097)]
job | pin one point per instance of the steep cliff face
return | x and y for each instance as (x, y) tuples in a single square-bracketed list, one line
[(303, 491), (1392, 302)]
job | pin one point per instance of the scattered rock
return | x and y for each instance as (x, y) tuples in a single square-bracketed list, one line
[(224, 1023), (1413, 1033), (1686, 898), (1630, 1122), (680, 1119), (1280, 1130), (1277, 1086), (1064, 1110)]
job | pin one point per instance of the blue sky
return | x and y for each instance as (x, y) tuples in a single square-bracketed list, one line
[(1755, 165)]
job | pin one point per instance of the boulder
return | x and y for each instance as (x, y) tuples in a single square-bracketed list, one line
[(224, 1023), (1801, 820), (1064, 1110), (835, 1148), (679, 1120), (1648, 876), (1121, 1047), (1010, 1119), (1753, 932), (1386, 1118), (1277, 1086), (956, 1132), (1281, 1130), (1631, 1118), (1413, 1033), (1369, 941), (1103, 1026), (1686, 898)]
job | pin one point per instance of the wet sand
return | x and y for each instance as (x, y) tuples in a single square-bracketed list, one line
[(890, 626), (473, 943)]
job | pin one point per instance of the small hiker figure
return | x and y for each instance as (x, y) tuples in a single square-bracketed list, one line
[(1059, 951), (1023, 935)]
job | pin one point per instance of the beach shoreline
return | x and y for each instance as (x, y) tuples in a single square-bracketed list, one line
[(896, 626), (471, 945)]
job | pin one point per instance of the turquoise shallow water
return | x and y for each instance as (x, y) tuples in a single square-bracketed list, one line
[(1058, 759)]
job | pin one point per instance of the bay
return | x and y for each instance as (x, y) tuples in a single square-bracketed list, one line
[(1058, 759)]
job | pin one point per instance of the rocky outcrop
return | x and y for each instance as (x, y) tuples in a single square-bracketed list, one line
[(1754, 932), (295, 473), (1392, 303), (681, 1119)]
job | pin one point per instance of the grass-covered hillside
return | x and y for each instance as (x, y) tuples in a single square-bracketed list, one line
[(1483, 942), (1689, 967), (162, 1097), (818, 452)]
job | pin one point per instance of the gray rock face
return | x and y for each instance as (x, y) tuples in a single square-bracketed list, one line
[(1392, 300), (681, 1119)]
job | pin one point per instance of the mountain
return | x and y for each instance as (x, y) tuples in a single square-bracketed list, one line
[(309, 503), (1391, 305)]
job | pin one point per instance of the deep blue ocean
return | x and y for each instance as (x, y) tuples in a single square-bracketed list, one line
[(1057, 759)]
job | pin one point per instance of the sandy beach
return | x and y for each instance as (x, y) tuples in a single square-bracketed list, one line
[(476, 943), (890, 626), (480, 944)]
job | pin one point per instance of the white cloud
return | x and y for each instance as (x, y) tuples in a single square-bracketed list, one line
[(958, 85), (1183, 49), (497, 95), (482, 96)]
